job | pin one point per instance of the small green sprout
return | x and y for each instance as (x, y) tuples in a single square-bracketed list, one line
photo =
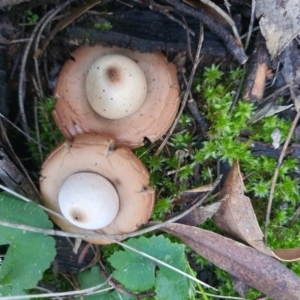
[(103, 26), (32, 18), (212, 74)]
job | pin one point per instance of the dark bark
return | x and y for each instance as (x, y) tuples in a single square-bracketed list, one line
[(145, 31)]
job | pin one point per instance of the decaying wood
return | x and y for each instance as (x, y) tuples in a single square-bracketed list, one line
[(231, 44), (260, 148), (258, 67), (66, 261), (156, 32), (6, 34), (14, 179)]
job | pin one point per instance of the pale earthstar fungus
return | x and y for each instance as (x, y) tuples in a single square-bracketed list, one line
[(118, 93), (97, 188)]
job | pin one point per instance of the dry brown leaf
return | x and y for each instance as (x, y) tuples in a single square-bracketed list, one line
[(247, 264), (199, 215), (236, 217), (279, 23)]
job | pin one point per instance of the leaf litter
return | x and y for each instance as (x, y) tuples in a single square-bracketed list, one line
[(255, 266)]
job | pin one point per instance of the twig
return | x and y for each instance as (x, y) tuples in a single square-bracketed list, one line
[(37, 128), (61, 294), (192, 105), (275, 94), (188, 39), (42, 289), (24, 133), (21, 93), (198, 202), (217, 29), (164, 264), (238, 92), (275, 176), (187, 92), (28, 200), (35, 50), (76, 13), (33, 192), (223, 14), (251, 24), (165, 10)]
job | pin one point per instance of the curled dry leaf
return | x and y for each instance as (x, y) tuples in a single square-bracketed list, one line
[(199, 215), (237, 219), (246, 264)]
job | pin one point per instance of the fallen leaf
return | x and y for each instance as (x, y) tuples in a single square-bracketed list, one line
[(246, 264), (279, 23), (267, 109), (291, 70), (237, 219), (199, 215), (235, 216)]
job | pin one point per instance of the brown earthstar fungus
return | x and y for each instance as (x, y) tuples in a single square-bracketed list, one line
[(118, 93), (96, 187)]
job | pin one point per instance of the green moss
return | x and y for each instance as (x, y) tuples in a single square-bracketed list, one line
[(190, 160), (103, 26), (48, 134)]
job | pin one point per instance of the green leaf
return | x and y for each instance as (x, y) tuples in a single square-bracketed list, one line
[(29, 253), (175, 289), (134, 271), (137, 273), (93, 277)]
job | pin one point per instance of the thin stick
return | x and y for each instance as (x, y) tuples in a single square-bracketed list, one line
[(74, 14), (37, 128), (222, 13), (21, 92), (187, 92), (275, 176), (23, 132), (112, 236), (221, 297), (251, 24), (62, 294), (164, 264), (34, 193), (231, 44), (118, 287), (28, 200)]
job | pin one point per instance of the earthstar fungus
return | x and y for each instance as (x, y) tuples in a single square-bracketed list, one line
[(127, 117), (76, 169)]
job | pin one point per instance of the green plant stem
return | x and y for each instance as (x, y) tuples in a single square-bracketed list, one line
[(199, 285)]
